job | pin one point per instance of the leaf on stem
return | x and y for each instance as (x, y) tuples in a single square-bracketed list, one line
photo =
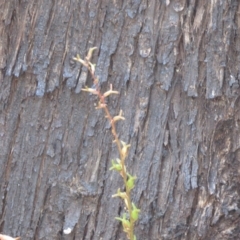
[(125, 222), (120, 194), (116, 165), (135, 212), (130, 182)]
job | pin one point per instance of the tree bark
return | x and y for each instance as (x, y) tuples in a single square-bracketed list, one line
[(176, 66)]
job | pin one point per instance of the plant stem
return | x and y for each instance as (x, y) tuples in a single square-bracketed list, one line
[(124, 174)]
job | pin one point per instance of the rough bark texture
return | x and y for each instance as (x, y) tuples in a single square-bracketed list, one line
[(176, 64)]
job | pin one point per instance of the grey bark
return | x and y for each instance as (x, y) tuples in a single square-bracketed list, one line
[(176, 65)]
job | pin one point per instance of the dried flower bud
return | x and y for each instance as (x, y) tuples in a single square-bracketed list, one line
[(78, 59), (108, 93), (90, 52), (93, 67), (119, 116), (125, 148), (101, 105), (91, 90)]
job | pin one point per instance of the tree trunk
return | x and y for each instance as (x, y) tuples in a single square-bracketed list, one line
[(176, 65)]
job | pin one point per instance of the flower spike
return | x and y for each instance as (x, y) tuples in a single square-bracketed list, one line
[(131, 215)]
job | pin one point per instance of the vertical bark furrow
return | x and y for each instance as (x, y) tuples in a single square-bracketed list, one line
[(176, 66)]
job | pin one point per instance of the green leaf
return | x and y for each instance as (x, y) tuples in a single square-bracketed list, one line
[(125, 222), (131, 182), (120, 194), (116, 165), (135, 212)]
